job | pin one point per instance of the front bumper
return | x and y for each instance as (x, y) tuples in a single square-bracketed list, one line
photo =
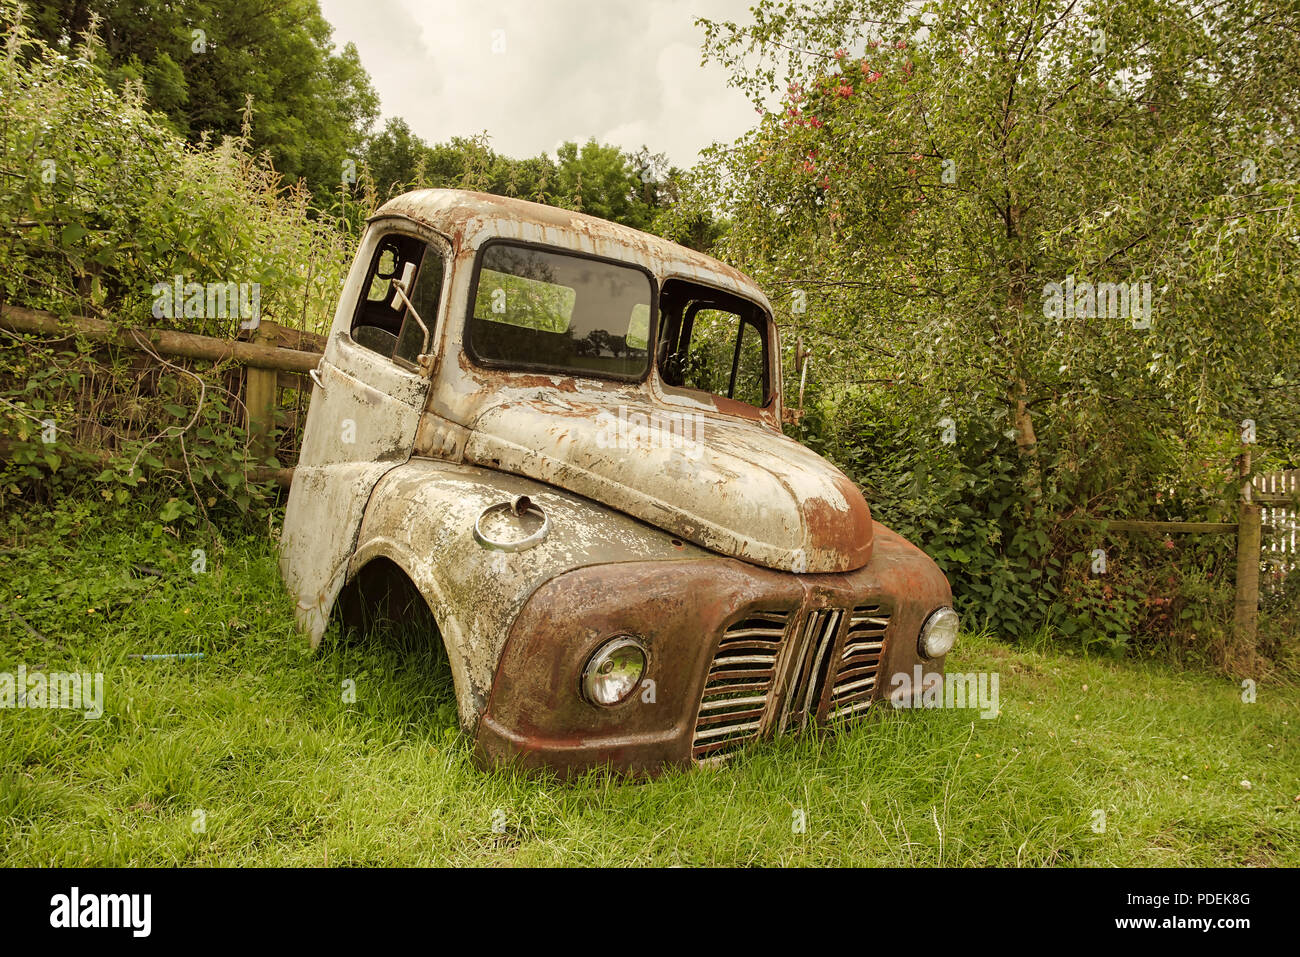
[(736, 653)]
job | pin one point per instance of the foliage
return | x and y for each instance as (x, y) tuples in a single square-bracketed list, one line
[(99, 202), (199, 63), (636, 189), (935, 177), (80, 421)]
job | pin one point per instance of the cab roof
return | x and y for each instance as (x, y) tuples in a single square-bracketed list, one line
[(469, 219)]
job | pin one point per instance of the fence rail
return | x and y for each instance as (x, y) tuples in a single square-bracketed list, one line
[(271, 366)]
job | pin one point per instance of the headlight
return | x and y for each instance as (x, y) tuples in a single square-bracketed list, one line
[(614, 671), (938, 634)]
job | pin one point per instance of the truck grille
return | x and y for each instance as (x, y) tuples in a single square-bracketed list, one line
[(855, 681), (828, 665), (738, 685), (811, 663)]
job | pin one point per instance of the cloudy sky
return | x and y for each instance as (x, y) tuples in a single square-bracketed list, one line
[(534, 73)]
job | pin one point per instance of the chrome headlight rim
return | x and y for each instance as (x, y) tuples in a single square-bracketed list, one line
[(609, 656), (945, 617)]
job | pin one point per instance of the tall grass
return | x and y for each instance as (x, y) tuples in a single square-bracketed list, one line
[(257, 743)]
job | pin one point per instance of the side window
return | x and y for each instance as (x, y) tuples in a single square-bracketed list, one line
[(383, 322), (713, 343), (425, 298)]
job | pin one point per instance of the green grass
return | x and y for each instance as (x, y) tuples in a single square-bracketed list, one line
[(258, 737)]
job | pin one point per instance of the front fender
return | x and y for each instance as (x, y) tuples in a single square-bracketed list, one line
[(421, 516), (537, 717)]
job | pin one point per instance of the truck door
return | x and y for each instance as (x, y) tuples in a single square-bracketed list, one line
[(369, 391)]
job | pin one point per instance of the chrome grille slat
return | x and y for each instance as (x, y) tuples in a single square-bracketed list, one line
[(845, 689), (746, 659), (852, 709), (714, 732), (864, 646), (710, 706), (731, 713), (826, 657)]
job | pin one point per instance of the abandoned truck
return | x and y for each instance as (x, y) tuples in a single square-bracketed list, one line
[(565, 435)]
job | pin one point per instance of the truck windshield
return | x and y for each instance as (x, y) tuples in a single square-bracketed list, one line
[(551, 311)]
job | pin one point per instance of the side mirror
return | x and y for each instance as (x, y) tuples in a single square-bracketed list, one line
[(401, 287)]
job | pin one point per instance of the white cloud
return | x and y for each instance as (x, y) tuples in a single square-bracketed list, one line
[(625, 71)]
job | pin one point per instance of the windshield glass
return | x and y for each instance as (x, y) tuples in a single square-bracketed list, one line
[(547, 310)]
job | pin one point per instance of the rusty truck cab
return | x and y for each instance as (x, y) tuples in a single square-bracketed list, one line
[(565, 434)]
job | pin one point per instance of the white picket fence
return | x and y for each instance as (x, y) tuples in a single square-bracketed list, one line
[(1280, 552)]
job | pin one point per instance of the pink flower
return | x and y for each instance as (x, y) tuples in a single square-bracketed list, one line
[(845, 91), (900, 45), (841, 53)]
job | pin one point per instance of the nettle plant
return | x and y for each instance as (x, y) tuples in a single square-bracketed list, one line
[(1063, 231), (101, 205), (101, 201)]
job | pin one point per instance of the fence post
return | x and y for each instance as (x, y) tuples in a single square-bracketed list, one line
[(260, 400), (1246, 612)]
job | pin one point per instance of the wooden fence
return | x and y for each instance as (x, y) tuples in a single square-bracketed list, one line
[(279, 359), (274, 361), (1278, 493)]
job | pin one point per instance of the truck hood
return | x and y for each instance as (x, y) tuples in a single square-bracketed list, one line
[(724, 483)]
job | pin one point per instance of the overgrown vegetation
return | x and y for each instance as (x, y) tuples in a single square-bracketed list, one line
[(929, 173), (100, 202), (937, 179), (102, 206), (202, 63)]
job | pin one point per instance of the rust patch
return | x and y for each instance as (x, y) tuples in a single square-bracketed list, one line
[(537, 718), (741, 410)]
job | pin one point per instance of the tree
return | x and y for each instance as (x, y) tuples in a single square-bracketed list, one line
[(394, 156), (606, 182), (200, 62), (937, 180), (636, 189)]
